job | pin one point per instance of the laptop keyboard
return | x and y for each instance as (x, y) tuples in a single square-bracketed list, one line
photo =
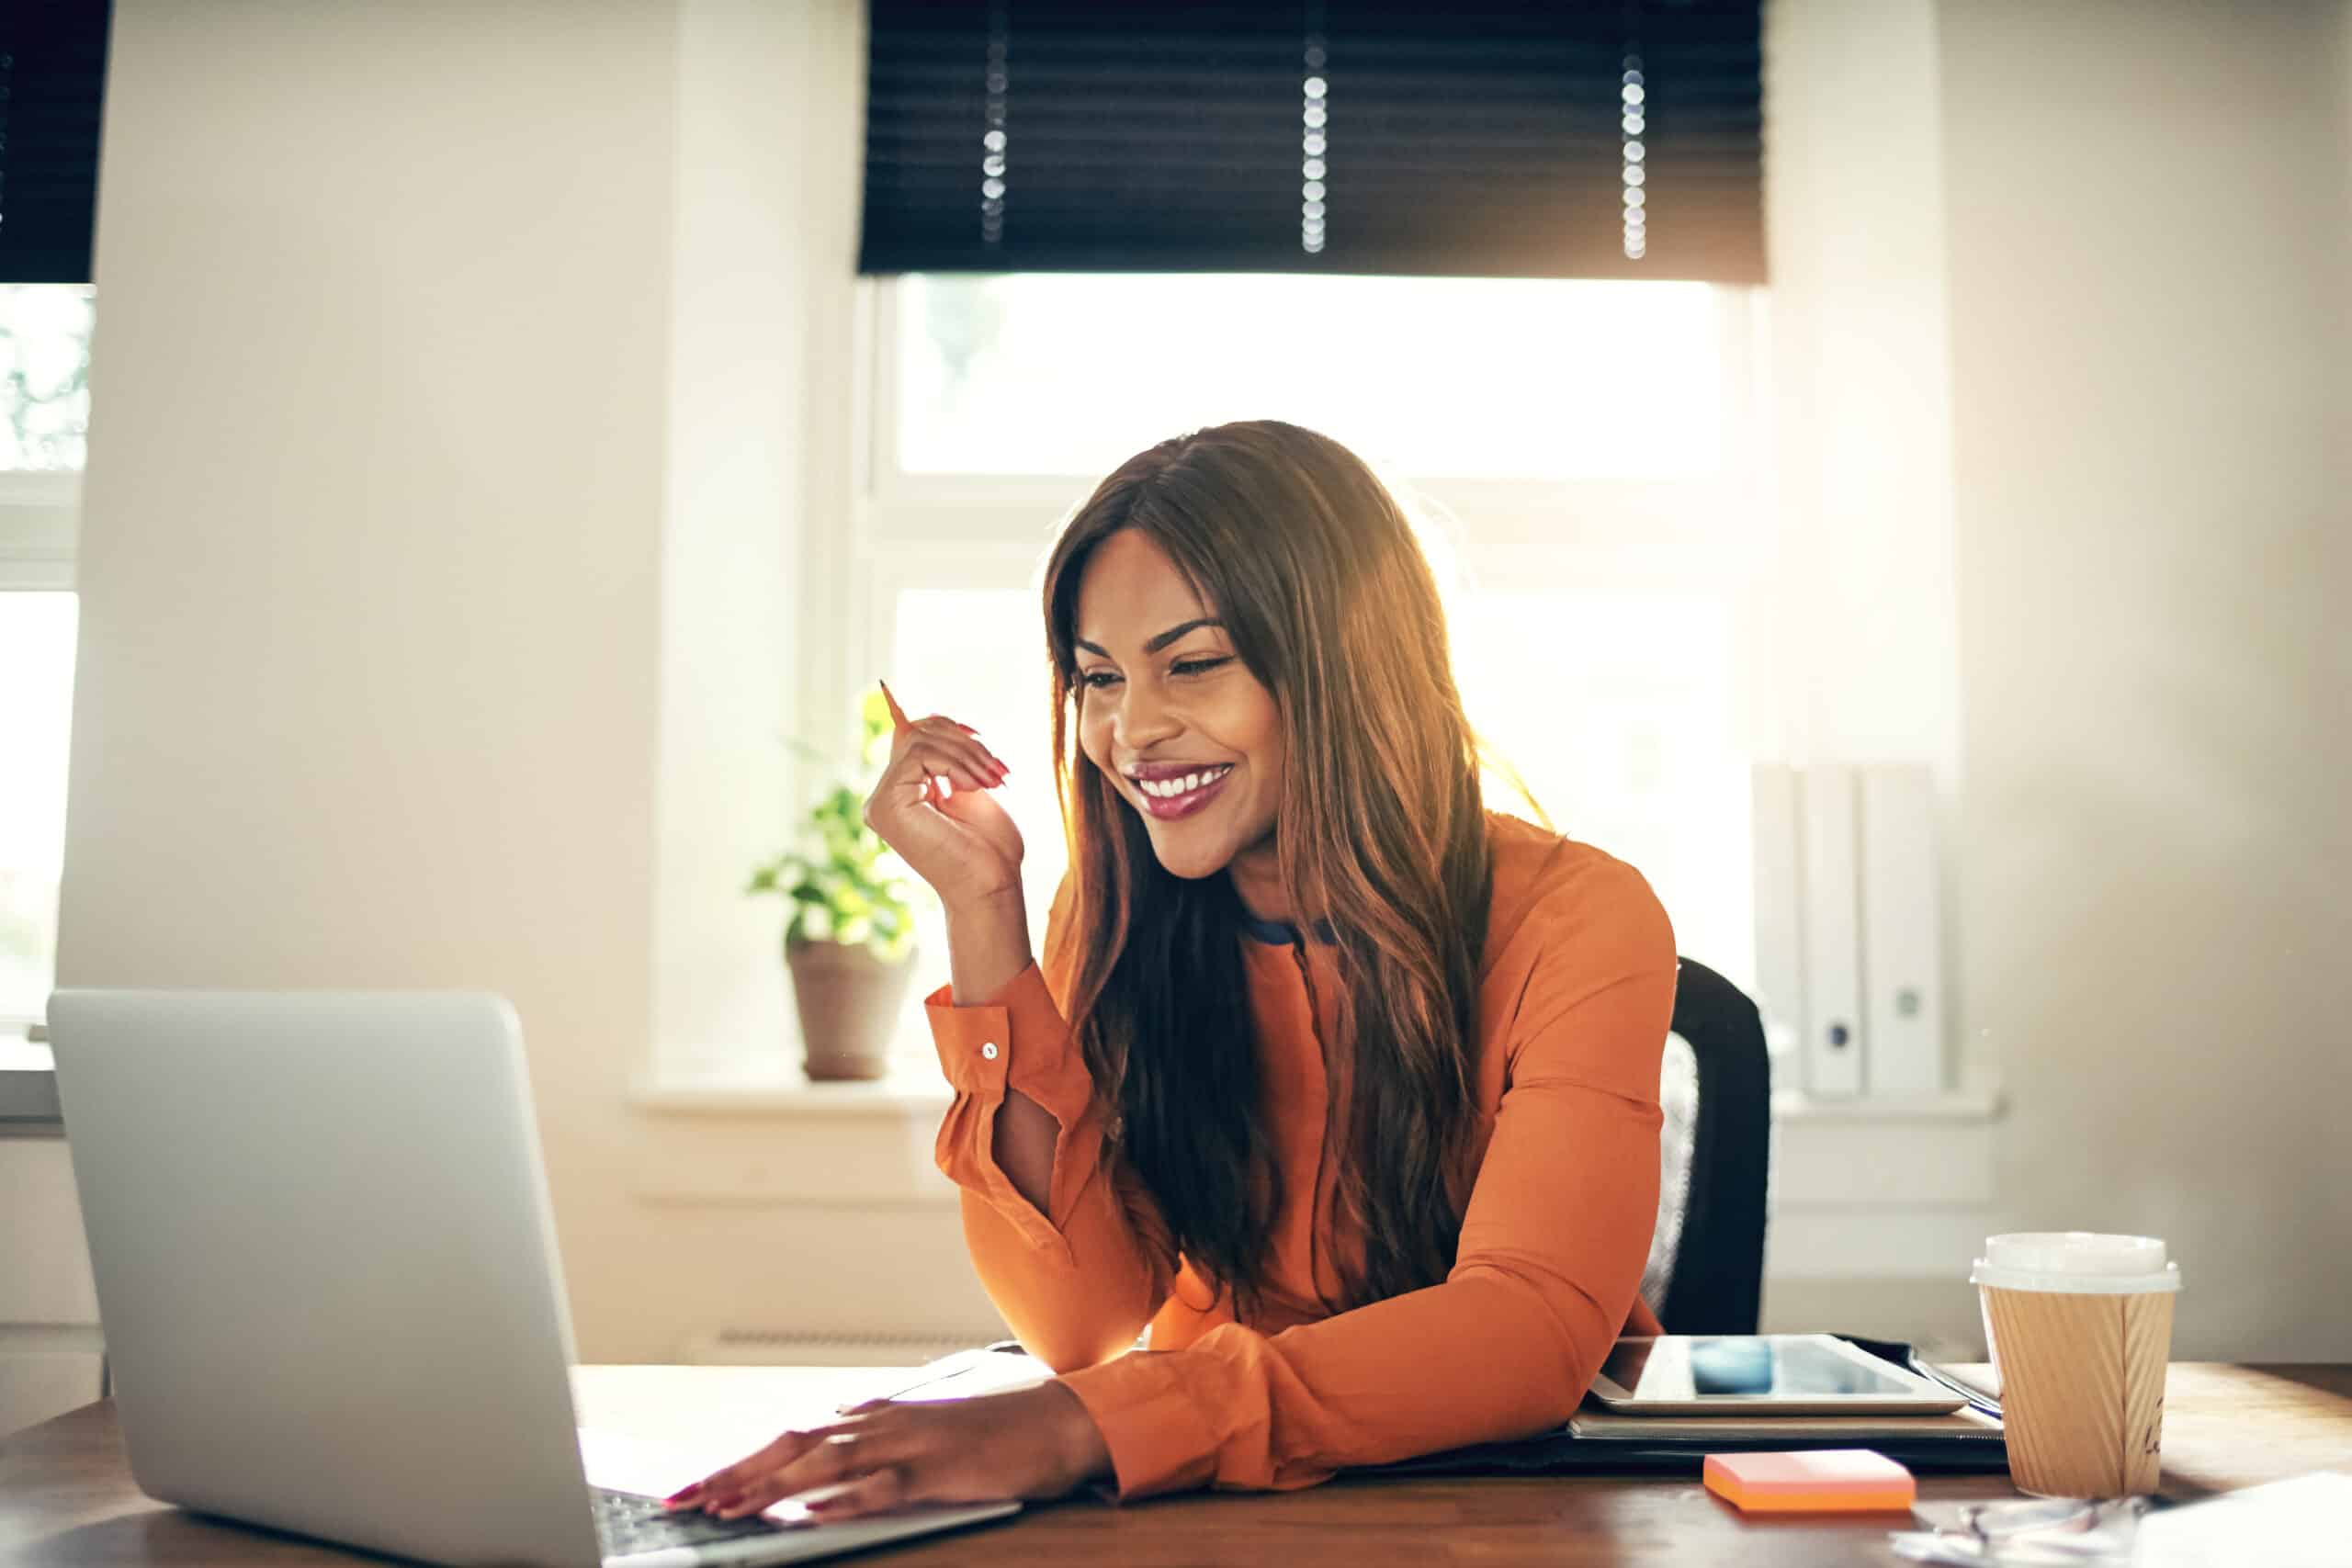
[(627, 1524)]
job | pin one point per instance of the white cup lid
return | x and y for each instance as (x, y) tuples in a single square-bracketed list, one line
[(2079, 1261)]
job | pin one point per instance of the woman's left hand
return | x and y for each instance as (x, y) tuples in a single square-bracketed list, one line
[(1030, 1442)]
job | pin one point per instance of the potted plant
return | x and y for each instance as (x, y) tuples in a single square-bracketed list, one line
[(849, 939)]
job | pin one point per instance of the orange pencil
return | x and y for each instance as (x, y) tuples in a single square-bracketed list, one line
[(898, 713), (933, 789)]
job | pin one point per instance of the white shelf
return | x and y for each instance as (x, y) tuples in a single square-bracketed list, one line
[(1948, 1105)]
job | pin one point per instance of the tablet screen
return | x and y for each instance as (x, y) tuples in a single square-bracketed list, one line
[(1778, 1366)]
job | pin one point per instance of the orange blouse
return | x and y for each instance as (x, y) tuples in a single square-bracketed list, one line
[(1575, 991)]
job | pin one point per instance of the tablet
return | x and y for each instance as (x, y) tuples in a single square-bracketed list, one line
[(1765, 1374)]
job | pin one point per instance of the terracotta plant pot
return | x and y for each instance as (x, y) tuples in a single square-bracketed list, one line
[(849, 1003)]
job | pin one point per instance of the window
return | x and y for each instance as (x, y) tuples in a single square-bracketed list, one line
[(45, 377), (36, 710), (44, 415), (1584, 453), (1042, 373)]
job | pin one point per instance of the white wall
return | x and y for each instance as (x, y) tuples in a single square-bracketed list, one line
[(2149, 282), (370, 543), (443, 477), (1855, 218), (736, 406)]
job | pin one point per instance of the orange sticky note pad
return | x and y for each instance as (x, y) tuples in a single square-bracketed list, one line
[(1823, 1481)]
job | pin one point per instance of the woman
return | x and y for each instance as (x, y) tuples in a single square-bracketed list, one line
[(1343, 1087)]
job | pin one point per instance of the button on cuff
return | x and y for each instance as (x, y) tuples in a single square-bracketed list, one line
[(974, 1046)]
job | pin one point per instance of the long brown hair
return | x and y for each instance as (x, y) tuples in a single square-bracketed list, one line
[(1330, 603)]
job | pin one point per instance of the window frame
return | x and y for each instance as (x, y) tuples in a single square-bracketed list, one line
[(902, 530), (39, 518), (899, 507)]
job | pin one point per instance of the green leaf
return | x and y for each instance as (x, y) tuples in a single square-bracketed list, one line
[(874, 722), (844, 884)]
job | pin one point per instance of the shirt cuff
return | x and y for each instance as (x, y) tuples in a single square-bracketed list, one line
[(1016, 1040), (1156, 1437), (975, 1044)]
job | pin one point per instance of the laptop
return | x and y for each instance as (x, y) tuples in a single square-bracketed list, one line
[(327, 1276)]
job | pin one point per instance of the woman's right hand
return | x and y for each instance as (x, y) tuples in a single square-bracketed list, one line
[(960, 841)]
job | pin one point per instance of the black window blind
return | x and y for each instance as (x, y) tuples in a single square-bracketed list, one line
[(1476, 138), (52, 73)]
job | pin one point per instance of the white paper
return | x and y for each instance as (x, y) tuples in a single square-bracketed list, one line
[(625, 1462), (2286, 1524)]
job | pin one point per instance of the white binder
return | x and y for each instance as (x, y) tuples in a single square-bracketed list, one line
[(1834, 1041), (1779, 906), (1903, 993)]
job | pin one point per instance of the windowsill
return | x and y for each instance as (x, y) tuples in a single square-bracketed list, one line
[(911, 1089), (916, 1089), (1926, 1195), (1947, 1105), (28, 1086), (711, 1137)]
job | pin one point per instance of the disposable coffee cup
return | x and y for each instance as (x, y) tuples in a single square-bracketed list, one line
[(2080, 1327)]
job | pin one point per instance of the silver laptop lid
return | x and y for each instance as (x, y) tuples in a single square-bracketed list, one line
[(325, 1265)]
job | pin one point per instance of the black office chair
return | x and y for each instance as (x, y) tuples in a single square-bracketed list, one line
[(1706, 1264)]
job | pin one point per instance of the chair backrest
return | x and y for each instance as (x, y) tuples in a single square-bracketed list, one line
[(1706, 1265)]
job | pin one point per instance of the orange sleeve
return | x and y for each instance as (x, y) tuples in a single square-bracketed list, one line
[(1553, 1245), (1078, 1282)]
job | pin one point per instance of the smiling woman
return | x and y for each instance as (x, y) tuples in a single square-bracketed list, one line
[(1342, 1086), (1275, 544)]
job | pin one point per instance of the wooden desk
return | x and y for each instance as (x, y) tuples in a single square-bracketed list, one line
[(66, 1499)]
